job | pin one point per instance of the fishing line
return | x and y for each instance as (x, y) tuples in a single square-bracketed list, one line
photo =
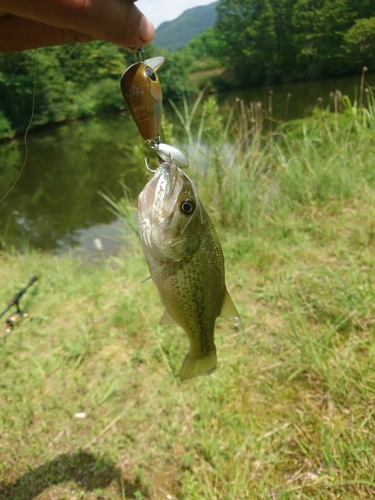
[(27, 128)]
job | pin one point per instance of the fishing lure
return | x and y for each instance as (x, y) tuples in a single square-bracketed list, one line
[(170, 154), (142, 92)]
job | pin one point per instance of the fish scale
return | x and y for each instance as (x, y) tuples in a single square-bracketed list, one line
[(190, 278)]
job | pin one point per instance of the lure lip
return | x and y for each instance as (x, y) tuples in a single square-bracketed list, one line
[(170, 154), (154, 63)]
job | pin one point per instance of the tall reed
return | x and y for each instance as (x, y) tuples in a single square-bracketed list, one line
[(255, 178), (245, 172)]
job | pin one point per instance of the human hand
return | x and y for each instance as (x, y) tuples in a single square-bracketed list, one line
[(41, 23)]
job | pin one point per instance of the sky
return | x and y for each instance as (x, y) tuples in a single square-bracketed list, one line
[(159, 11)]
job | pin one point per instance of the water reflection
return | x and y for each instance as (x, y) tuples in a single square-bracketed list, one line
[(55, 204), (303, 96), (57, 194)]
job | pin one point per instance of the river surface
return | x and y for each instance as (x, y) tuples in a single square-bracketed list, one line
[(56, 204)]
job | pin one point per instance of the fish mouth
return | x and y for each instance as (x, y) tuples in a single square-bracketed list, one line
[(169, 174), (158, 193)]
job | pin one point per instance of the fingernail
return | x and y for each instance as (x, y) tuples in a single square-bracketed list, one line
[(146, 30)]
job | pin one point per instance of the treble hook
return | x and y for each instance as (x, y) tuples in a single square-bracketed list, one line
[(148, 168), (141, 54)]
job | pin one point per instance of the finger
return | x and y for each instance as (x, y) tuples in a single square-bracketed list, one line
[(19, 34), (117, 21)]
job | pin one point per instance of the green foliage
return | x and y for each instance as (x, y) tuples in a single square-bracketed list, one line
[(318, 35), (71, 81), (6, 131), (205, 49), (285, 40), (16, 87), (269, 41), (253, 42), (360, 39), (174, 74), (77, 80), (87, 63)]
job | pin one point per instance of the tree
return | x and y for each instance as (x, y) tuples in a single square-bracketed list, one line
[(320, 27), (71, 81), (256, 35), (268, 41), (360, 41)]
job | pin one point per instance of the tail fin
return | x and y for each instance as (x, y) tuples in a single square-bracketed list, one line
[(193, 367)]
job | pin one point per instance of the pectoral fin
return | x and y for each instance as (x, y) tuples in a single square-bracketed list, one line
[(167, 319), (146, 279), (156, 271), (228, 311)]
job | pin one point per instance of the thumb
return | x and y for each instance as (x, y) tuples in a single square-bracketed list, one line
[(116, 21)]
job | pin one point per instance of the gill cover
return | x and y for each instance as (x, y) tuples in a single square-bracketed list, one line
[(142, 92)]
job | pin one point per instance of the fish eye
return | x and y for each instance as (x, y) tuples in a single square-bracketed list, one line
[(188, 207), (151, 74)]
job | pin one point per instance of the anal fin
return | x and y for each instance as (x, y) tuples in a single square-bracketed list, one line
[(228, 311)]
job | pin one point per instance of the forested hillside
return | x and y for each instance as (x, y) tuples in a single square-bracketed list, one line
[(281, 40), (179, 32), (256, 42)]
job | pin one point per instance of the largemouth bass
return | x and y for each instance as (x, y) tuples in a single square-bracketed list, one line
[(141, 90), (186, 264)]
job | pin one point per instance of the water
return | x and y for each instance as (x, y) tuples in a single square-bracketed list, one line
[(56, 204), (303, 96)]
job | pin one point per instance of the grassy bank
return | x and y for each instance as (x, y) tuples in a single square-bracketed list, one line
[(289, 412)]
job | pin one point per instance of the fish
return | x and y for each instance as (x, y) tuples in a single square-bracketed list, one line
[(186, 264), (141, 89)]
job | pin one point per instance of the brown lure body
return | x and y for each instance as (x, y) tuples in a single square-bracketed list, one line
[(142, 92)]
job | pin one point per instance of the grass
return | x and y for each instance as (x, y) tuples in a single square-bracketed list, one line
[(289, 414)]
